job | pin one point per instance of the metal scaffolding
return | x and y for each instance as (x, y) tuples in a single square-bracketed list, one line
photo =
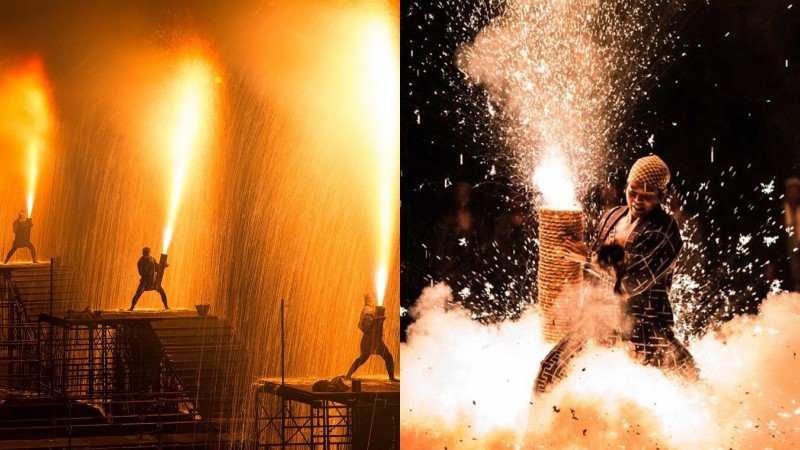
[(25, 291), (294, 416)]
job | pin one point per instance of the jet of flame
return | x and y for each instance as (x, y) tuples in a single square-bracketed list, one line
[(381, 97), (27, 119), (192, 106), (554, 181), (380, 283), (33, 170)]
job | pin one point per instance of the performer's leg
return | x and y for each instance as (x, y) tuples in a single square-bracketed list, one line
[(555, 364), (676, 359), (360, 360), (11, 253), (384, 353), (33, 252), (136, 296), (163, 297)]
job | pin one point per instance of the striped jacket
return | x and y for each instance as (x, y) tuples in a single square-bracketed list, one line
[(650, 253)]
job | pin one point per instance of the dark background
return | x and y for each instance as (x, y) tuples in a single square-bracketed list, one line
[(733, 93)]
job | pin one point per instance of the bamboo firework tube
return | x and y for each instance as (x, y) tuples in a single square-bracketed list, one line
[(555, 272)]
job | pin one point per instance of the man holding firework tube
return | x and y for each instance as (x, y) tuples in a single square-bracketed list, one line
[(22, 236), (636, 278), (148, 271), (371, 324)]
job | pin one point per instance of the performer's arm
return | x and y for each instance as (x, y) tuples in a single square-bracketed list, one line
[(587, 255), (365, 321), (650, 261)]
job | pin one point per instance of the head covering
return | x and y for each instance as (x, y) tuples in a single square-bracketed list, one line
[(651, 171)]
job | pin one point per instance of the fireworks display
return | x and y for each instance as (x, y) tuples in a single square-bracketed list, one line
[(191, 107), (27, 123), (521, 83), (478, 379), (257, 145)]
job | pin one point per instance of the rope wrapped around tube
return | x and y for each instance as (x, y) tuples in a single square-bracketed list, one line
[(555, 272)]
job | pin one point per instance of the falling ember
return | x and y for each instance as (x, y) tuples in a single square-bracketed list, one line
[(381, 97), (192, 103)]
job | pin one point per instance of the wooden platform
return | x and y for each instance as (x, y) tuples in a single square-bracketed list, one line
[(208, 357), (89, 318), (301, 390), (202, 355), (22, 265), (292, 415), (40, 287), (198, 440)]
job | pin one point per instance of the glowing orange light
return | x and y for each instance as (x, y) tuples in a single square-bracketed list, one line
[(554, 181), (380, 283), (25, 101), (33, 170), (192, 103), (382, 100)]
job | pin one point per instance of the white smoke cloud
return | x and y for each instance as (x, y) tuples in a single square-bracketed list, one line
[(469, 385)]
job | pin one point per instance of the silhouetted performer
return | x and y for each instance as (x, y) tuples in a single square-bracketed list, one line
[(148, 268), (372, 341), (22, 236), (638, 244)]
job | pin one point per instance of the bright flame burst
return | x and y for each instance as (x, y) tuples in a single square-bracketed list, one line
[(28, 118), (381, 96), (469, 386), (554, 181), (34, 147), (192, 103)]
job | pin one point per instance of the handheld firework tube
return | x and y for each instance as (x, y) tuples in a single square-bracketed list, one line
[(556, 227), (380, 311), (162, 264)]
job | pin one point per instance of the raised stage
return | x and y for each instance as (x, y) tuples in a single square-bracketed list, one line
[(292, 415), (121, 316), (118, 373), (27, 290)]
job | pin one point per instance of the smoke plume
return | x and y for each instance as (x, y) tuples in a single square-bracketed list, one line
[(469, 385)]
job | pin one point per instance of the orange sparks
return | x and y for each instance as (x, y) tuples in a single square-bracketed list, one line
[(192, 102)]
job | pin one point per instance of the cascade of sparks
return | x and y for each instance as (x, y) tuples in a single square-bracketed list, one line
[(565, 73)]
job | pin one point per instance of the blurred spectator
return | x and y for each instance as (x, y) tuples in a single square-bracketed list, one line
[(601, 198), (791, 222), (460, 240), (515, 256), (692, 260)]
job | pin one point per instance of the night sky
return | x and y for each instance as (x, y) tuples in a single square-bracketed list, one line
[(729, 85)]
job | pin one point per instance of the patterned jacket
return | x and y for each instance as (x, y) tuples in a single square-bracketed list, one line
[(650, 253), (22, 232)]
